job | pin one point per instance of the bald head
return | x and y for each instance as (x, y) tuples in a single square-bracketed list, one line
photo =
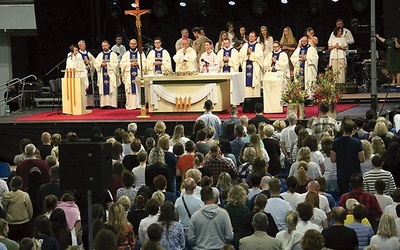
[(30, 150), (338, 215), (265, 182), (190, 185), (313, 186)]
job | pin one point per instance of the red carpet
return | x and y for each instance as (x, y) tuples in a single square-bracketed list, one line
[(122, 114)]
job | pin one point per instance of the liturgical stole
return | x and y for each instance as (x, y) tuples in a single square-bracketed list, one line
[(226, 68), (303, 51), (134, 70), (158, 58), (106, 77), (89, 90), (249, 67), (276, 56)]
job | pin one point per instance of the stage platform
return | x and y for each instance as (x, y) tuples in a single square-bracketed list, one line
[(32, 122)]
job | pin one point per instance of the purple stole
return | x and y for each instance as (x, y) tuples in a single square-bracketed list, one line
[(158, 58), (227, 52), (276, 56), (89, 90), (134, 70), (106, 77), (249, 66), (303, 51)]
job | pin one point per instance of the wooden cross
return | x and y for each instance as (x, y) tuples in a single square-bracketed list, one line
[(137, 13)]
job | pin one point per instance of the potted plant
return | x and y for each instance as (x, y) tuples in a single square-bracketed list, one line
[(295, 95)]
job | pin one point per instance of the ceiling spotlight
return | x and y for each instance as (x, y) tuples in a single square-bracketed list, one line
[(182, 4), (284, 1), (335, 1), (133, 5), (231, 3)]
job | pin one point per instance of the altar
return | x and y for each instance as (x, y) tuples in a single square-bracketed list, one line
[(167, 94)]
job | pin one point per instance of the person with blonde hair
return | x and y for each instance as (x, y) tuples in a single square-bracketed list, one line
[(196, 175), (218, 45), (249, 154), (157, 166), (290, 238), (224, 181), (121, 226), (386, 237), (304, 154), (255, 141), (330, 167), (178, 135), (10, 244), (288, 43), (302, 178), (236, 208), (265, 40)]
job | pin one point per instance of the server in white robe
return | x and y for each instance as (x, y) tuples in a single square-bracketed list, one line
[(209, 62), (305, 62), (88, 59), (251, 56), (158, 60), (228, 57), (75, 61), (337, 58), (276, 66), (130, 68), (106, 65), (185, 58)]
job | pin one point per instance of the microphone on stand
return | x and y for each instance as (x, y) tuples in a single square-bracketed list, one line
[(204, 61)]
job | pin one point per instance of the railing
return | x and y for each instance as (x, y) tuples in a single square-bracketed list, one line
[(18, 83)]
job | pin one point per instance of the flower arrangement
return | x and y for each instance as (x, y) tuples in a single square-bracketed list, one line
[(325, 89), (294, 91)]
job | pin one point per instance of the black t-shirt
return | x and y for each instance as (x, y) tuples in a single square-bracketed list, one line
[(340, 237)]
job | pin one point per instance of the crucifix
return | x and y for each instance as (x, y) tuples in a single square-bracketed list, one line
[(137, 13)]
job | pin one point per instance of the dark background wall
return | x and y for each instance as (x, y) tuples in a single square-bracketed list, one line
[(61, 23)]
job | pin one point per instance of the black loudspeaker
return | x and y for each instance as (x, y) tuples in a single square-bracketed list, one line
[(249, 103), (82, 162)]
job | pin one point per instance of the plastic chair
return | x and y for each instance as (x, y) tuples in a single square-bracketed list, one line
[(4, 170)]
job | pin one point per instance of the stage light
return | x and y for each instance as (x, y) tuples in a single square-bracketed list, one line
[(133, 5), (259, 7), (335, 1), (115, 11), (182, 4), (231, 3), (160, 8), (284, 1)]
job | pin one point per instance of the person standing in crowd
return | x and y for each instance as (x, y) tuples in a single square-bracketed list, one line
[(158, 60), (305, 60), (89, 60), (210, 119), (185, 36), (228, 57), (251, 56), (119, 48), (108, 79), (185, 57), (209, 62), (131, 64), (346, 33), (198, 44), (392, 57), (337, 58), (312, 39)]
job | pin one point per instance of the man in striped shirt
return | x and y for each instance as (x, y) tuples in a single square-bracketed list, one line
[(376, 173)]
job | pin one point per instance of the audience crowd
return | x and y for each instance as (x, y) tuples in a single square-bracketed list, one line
[(240, 184)]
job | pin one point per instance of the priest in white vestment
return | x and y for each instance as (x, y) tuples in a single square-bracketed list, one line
[(75, 61), (209, 62), (106, 65), (130, 68), (251, 56), (88, 59), (228, 57), (158, 60), (276, 66), (305, 62), (185, 58)]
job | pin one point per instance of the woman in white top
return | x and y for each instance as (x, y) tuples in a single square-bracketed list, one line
[(319, 216), (255, 141), (330, 167), (265, 40), (140, 170), (316, 156), (304, 154), (386, 237), (218, 45), (312, 40), (178, 136), (305, 211), (337, 46), (290, 238)]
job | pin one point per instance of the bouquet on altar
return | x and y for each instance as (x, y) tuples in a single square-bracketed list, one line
[(325, 89), (293, 91)]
